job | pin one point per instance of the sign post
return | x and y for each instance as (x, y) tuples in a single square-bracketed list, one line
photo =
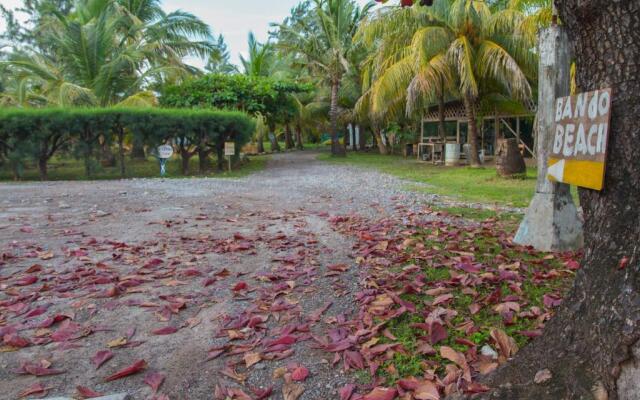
[(551, 222), (229, 151), (165, 152), (580, 139)]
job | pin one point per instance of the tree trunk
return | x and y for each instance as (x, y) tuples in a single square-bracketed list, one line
[(220, 155), (442, 130), (275, 146), (137, 150), (509, 161), (261, 144), (42, 167), (363, 145), (186, 157), (299, 143), (288, 137), (123, 171), (472, 134), (336, 148), (203, 155), (203, 161), (381, 146), (589, 345)]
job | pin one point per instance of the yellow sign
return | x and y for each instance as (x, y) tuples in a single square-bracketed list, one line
[(579, 148)]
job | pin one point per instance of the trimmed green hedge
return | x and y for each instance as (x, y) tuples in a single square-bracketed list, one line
[(38, 134)]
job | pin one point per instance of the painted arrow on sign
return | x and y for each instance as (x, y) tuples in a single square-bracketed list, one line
[(556, 171)]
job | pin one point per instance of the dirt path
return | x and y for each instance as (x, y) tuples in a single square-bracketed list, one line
[(88, 265)]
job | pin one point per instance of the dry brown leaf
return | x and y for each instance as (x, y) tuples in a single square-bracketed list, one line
[(121, 341), (251, 359), (292, 391)]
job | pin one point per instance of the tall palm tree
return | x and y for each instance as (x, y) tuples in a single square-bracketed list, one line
[(325, 40), (460, 48)]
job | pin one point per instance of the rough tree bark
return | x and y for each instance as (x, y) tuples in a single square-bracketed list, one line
[(377, 135), (273, 138), (288, 137), (589, 345), (472, 135), (336, 148)]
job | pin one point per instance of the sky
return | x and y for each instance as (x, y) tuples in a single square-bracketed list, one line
[(232, 18)]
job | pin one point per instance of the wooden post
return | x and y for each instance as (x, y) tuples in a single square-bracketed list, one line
[(551, 222)]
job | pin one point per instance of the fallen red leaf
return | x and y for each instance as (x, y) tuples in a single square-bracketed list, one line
[(240, 286), (168, 330), (300, 374), (101, 357), (36, 388), (347, 391), (130, 370), (154, 379), (381, 393), (86, 393)]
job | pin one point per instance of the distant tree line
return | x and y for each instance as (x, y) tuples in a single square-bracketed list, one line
[(37, 135)]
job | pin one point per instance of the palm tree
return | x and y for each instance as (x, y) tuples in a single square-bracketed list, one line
[(460, 48), (105, 51), (260, 59), (324, 38)]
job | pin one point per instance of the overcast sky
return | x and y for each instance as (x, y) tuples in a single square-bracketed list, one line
[(233, 18)]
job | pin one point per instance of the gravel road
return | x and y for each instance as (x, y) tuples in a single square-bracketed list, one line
[(161, 245)]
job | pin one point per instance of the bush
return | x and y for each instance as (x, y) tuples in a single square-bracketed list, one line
[(38, 134)]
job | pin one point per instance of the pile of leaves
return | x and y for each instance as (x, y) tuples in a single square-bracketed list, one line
[(443, 302)]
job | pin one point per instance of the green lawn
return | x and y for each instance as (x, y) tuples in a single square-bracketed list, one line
[(72, 170), (468, 184)]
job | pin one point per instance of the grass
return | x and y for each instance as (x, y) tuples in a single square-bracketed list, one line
[(488, 249), (481, 185), (73, 170)]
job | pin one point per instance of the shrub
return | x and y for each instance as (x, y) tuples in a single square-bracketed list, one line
[(38, 134)]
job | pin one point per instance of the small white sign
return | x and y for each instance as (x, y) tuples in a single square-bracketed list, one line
[(229, 149), (165, 151)]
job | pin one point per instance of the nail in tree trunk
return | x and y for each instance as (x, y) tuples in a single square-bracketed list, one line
[(591, 346), (472, 134), (336, 148)]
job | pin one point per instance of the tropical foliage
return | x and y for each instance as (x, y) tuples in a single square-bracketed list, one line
[(323, 40), (460, 49), (102, 52)]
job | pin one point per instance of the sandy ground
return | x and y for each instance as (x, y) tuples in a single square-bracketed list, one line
[(116, 261)]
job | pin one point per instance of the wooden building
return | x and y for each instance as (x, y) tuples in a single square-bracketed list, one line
[(509, 124)]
